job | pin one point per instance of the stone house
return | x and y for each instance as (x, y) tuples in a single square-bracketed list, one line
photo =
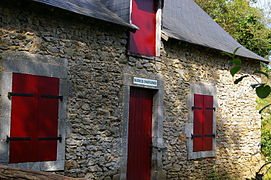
[(123, 89)]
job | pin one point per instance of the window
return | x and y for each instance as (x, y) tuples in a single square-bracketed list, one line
[(203, 123), (34, 118), (200, 129), (33, 111)]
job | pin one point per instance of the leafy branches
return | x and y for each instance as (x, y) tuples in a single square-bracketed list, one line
[(262, 89)]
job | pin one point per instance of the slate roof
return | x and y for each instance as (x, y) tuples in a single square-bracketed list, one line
[(182, 19), (186, 21), (91, 8)]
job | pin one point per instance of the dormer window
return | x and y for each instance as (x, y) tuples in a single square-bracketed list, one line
[(143, 15)]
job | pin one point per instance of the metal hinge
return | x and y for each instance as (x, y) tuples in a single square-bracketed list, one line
[(211, 108), (59, 138), (19, 94), (193, 107), (52, 96), (18, 139), (206, 135), (195, 136)]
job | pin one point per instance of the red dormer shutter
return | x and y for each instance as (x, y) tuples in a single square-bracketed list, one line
[(203, 123), (143, 41), (34, 116)]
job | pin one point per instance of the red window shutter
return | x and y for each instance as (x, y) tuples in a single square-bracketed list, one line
[(143, 41), (33, 117), (47, 118), (198, 122), (203, 123), (23, 121), (208, 123)]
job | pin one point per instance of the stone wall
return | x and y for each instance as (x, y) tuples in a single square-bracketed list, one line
[(97, 59)]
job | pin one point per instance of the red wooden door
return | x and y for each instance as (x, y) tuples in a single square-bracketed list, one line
[(140, 134), (143, 41)]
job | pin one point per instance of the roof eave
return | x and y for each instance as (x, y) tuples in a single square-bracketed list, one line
[(172, 36), (118, 20)]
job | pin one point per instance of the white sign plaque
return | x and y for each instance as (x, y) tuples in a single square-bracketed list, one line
[(146, 82)]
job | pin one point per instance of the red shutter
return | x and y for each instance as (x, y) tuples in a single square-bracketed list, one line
[(33, 117), (203, 123), (198, 122), (208, 123), (143, 41), (23, 119), (47, 118)]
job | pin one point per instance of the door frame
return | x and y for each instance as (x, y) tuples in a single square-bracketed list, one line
[(157, 124)]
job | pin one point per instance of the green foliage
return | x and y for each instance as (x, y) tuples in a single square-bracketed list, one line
[(235, 70), (266, 141), (263, 91), (261, 72), (245, 23), (267, 176), (236, 61), (265, 128)]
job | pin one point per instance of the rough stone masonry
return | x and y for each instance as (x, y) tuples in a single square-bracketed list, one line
[(96, 60)]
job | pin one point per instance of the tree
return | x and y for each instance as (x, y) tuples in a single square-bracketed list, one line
[(245, 23)]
